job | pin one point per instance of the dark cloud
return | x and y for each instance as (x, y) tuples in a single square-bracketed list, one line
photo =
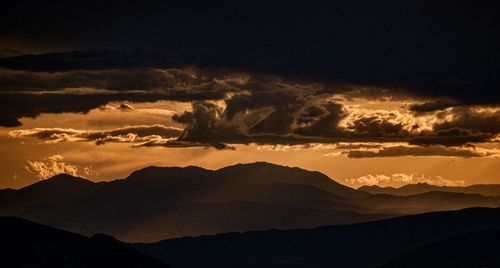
[(451, 137), (287, 118), (462, 125), (445, 48), (138, 136), (82, 90), (279, 119), (203, 123), (15, 106), (475, 119), (396, 151), (132, 134), (432, 106), (125, 107), (321, 121), (377, 125), (121, 80)]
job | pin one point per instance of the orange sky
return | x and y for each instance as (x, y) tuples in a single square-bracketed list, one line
[(28, 159)]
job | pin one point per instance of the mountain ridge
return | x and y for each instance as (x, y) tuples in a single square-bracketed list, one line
[(155, 203), (29, 244), (418, 188), (366, 244)]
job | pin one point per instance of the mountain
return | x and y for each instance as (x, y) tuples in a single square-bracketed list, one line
[(358, 245), (420, 188), (58, 189), (29, 244), (155, 203), (426, 202), (275, 173), (477, 249)]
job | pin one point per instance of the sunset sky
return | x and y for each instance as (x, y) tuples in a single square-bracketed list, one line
[(357, 97)]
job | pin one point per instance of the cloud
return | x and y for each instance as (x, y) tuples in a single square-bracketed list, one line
[(363, 122), (131, 134), (432, 106), (232, 107), (474, 119), (400, 179), (462, 125), (203, 123), (432, 150), (451, 137), (321, 121), (16, 106), (138, 136), (53, 165), (28, 94), (139, 80)]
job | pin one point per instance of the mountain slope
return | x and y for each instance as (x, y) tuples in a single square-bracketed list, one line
[(28, 244), (420, 188), (153, 221), (266, 173), (61, 188), (426, 202), (358, 245), (475, 249), (155, 203)]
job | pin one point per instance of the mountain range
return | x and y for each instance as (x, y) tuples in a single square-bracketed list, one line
[(28, 244), (471, 249), (465, 238), (157, 203), (437, 239), (420, 188)]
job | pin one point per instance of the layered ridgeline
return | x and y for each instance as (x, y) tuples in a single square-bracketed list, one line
[(29, 244), (156, 203), (471, 249), (161, 202), (420, 188), (465, 238)]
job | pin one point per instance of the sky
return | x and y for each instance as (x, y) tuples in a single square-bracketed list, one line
[(385, 93)]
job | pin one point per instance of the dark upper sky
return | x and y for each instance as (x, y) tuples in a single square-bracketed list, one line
[(447, 48), (344, 87)]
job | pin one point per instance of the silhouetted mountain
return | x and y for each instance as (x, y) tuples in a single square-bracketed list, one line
[(426, 202), (29, 244), (276, 173), (358, 245), (61, 188), (156, 203), (470, 250), (420, 188)]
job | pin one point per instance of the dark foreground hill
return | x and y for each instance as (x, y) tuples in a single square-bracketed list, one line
[(478, 249), (29, 244), (358, 245)]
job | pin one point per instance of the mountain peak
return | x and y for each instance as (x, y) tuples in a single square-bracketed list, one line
[(264, 172), (258, 164), (156, 171), (419, 184), (61, 179)]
